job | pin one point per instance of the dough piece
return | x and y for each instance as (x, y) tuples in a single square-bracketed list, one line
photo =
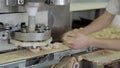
[(81, 28), (35, 50), (76, 30), (46, 48), (56, 45)]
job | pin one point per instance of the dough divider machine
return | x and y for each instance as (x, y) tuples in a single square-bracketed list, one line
[(33, 24)]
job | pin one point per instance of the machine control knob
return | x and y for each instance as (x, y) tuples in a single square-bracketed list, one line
[(58, 2), (3, 35), (23, 25), (20, 2), (48, 2), (1, 26)]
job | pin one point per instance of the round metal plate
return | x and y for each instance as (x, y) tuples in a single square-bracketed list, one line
[(32, 36)]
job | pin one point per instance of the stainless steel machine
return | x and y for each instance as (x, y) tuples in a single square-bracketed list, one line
[(34, 23), (57, 20), (21, 26)]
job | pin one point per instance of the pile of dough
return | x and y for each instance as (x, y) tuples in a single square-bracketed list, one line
[(68, 37), (109, 32), (55, 45), (49, 47)]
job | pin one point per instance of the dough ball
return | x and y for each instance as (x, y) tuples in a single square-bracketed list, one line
[(35, 50), (56, 45), (46, 48)]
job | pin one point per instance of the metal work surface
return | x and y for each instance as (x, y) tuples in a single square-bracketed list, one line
[(4, 46)]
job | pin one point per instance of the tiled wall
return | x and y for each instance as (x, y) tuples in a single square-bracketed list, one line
[(85, 14), (76, 1)]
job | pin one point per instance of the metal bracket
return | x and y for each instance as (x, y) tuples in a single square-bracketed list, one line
[(14, 2), (18, 64)]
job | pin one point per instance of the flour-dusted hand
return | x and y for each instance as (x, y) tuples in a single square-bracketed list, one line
[(76, 40)]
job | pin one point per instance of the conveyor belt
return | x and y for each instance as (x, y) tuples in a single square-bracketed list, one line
[(25, 54)]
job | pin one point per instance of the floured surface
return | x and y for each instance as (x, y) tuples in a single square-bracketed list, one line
[(102, 56), (25, 54)]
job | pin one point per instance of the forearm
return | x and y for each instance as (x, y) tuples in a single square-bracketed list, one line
[(101, 22), (107, 44)]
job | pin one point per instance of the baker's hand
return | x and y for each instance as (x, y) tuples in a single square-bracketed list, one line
[(76, 40)]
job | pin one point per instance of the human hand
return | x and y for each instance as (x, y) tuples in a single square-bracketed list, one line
[(76, 40)]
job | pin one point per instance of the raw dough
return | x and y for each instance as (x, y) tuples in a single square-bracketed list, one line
[(109, 32)]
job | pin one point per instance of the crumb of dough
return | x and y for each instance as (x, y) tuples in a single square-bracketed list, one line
[(46, 48), (55, 45), (36, 50)]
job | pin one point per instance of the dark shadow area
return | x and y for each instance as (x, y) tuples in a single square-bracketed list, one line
[(80, 23)]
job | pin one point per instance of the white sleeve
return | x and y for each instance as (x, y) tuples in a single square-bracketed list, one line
[(113, 7)]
